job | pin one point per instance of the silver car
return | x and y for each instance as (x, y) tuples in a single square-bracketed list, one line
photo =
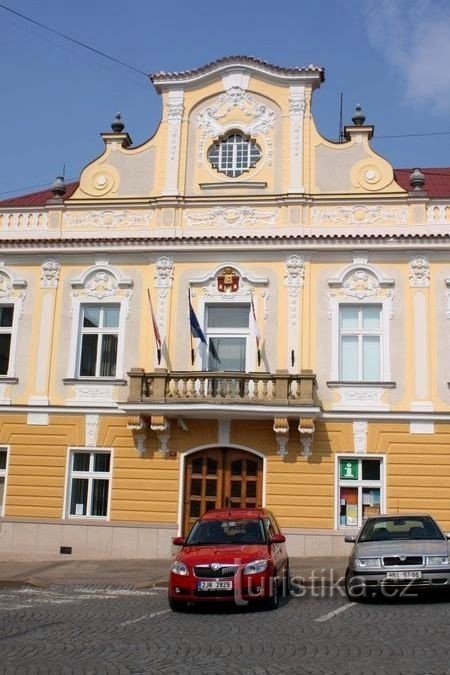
[(397, 556)]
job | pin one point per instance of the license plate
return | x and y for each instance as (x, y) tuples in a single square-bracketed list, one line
[(404, 575), (215, 585)]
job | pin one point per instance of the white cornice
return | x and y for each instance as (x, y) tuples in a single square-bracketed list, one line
[(228, 411), (297, 244), (312, 76)]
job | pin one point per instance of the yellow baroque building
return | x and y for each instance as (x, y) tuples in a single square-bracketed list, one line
[(238, 312)]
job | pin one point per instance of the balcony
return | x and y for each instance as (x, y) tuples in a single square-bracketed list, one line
[(219, 388)]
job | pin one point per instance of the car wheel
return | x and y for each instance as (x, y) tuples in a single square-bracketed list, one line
[(177, 605), (354, 589), (273, 600)]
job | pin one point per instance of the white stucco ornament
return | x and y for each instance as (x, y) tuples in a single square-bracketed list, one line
[(50, 274), (419, 273), (231, 216), (216, 119)]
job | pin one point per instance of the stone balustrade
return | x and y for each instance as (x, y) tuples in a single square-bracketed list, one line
[(14, 221), (280, 388)]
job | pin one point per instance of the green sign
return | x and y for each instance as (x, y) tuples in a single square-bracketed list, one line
[(348, 469)]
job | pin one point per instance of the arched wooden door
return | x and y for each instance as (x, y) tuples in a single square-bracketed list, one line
[(220, 478)]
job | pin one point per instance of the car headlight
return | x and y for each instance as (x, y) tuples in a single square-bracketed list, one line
[(363, 563), (437, 560), (180, 568), (255, 567)]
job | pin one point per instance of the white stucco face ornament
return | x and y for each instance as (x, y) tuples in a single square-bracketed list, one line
[(361, 285), (50, 274), (101, 285)]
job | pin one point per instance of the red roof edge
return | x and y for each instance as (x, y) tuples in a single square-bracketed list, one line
[(437, 180), (37, 198)]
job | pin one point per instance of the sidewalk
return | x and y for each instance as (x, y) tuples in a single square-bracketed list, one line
[(140, 573)]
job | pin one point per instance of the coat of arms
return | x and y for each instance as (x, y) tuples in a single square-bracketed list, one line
[(228, 280)]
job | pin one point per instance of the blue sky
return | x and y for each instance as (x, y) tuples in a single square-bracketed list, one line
[(392, 56)]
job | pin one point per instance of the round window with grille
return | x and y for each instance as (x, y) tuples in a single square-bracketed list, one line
[(234, 154)]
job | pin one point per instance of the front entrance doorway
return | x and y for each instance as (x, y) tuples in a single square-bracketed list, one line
[(220, 478)]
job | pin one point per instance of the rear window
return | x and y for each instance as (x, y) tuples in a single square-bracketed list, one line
[(239, 531), (387, 529)]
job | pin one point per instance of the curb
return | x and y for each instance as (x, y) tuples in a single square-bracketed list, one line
[(24, 583)]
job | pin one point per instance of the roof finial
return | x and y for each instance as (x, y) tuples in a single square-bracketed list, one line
[(358, 118), (59, 187), (417, 179), (117, 125)]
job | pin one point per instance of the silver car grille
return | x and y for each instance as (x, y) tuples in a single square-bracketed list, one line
[(402, 560)]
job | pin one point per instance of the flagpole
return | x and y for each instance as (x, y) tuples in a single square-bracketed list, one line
[(257, 335), (155, 328), (190, 330)]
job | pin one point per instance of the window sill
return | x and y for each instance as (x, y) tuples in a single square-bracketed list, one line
[(83, 519), (8, 380), (233, 184), (334, 384), (94, 380)]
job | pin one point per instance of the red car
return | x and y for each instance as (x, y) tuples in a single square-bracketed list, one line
[(234, 555)]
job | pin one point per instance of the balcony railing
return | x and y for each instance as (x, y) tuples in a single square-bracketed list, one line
[(280, 388)]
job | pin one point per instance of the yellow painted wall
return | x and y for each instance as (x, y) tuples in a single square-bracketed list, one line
[(300, 492)]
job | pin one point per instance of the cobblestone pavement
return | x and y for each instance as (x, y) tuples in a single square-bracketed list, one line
[(94, 630)]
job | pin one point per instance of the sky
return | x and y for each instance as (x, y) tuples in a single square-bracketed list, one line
[(391, 56)]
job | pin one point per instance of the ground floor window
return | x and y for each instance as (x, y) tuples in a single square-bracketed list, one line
[(3, 465), (360, 489), (89, 483)]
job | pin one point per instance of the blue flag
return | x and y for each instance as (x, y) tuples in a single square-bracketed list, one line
[(195, 326), (197, 332)]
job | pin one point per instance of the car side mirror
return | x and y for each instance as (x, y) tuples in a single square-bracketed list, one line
[(447, 535), (278, 539), (350, 538), (178, 541)]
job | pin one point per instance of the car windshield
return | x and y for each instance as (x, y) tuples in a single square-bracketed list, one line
[(395, 528), (239, 531)]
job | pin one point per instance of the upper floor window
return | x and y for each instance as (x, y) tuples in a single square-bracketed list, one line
[(234, 154), (6, 330), (227, 330), (360, 343), (98, 340)]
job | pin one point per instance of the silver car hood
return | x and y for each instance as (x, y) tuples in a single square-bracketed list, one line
[(379, 549)]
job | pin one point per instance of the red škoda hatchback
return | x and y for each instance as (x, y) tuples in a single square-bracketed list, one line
[(236, 555)]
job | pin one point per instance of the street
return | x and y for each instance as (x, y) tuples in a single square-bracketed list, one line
[(90, 630)]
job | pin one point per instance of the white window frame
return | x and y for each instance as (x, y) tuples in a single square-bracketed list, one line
[(360, 333), (75, 350), (341, 295), (4, 474), (90, 475), (228, 332), (12, 330), (82, 294), (359, 483), (100, 331)]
